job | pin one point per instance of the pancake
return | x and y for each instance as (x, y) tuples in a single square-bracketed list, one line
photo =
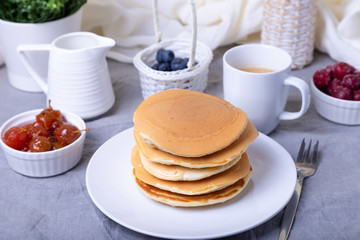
[(180, 200), (188, 123), (206, 185), (179, 173), (218, 158)]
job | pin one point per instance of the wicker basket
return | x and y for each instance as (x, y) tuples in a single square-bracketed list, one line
[(194, 77), (290, 25)]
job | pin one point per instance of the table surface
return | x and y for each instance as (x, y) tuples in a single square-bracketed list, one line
[(60, 207)]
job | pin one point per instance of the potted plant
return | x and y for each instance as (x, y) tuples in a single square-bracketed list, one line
[(34, 22)]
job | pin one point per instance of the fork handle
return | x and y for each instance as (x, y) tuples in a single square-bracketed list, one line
[(290, 211)]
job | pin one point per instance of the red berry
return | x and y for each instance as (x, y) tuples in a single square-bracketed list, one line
[(16, 137), (356, 73), (356, 95), (322, 78), (330, 69), (333, 85), (342, 92), (341, 69), (351, 81)]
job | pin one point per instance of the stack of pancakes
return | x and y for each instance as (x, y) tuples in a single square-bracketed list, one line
[(191, 148)]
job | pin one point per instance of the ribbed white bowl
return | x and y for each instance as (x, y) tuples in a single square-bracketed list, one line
[(337, 110), (43, 164)]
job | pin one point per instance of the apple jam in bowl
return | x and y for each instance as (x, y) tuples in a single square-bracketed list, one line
[(43, 142)]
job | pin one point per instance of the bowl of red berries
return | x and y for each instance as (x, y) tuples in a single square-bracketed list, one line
[(43, 142), (336, 93)]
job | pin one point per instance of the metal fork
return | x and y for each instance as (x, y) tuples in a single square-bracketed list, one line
[(306, 164)]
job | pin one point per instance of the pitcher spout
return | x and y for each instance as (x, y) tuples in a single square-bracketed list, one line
[(83, 41), (105, 42)]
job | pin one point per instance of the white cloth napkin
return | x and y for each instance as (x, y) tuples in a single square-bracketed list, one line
[(338, 30), (220, 22)]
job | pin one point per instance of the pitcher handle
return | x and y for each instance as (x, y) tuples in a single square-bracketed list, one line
[(22, 49), (302, 86)]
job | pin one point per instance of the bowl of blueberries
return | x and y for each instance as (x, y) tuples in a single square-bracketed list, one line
[(173, 63), (169, 64), (336, 93)]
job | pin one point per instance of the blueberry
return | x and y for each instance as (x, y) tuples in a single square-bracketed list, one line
[(164, 56), (155, 66), (179, 63), (164, 67)]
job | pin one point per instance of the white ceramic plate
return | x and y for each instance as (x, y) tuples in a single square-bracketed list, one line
[(111, 186)]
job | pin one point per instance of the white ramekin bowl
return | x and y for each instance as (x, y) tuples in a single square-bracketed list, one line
[(43, 164), (336, 110)]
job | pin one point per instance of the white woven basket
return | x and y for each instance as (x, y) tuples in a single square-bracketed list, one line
[(290, 25), (194, 77)]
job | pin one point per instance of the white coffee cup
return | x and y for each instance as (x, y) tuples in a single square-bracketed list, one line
[(262, 96)]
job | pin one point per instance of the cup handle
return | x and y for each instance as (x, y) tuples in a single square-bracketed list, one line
[(305, 98), (22, 49)]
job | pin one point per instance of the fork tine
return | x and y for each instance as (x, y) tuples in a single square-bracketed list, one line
[(308, 151), (315, 154), (301, 151)]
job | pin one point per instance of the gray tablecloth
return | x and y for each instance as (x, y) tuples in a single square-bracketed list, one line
[(60, 207)]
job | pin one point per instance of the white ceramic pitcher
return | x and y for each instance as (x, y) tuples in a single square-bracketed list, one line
[(78, 77)]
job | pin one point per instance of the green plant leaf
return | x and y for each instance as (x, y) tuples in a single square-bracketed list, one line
[(36, 11)]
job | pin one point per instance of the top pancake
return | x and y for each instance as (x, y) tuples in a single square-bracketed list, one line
[(188, 123)]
